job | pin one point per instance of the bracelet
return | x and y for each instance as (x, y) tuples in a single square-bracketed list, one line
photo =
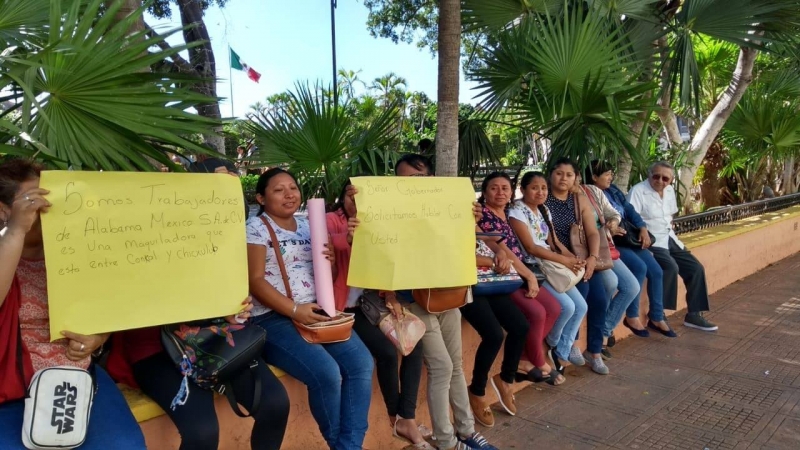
[(592, 256), (294, 310)]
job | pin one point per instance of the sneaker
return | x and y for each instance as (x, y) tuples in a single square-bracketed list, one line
[(698, 322), (476, 442), (596, 363), (575, 357), (605, 353), (504, 393), (481, 410)]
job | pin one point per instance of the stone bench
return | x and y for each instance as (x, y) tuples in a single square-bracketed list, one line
[(728, 252)]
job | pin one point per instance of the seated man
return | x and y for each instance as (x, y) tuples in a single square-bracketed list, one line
[(654, 199)]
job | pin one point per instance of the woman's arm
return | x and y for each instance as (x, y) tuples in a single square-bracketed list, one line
[(484, 261), (611, 215), (11, 243), (525, 238), (592, 238), (267, 295)]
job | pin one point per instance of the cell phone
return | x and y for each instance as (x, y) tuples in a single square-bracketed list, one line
[(321, 312)]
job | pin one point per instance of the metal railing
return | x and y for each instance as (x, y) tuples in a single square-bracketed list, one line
[(728, 214)]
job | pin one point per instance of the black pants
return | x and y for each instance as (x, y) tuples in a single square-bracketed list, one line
[(678, 261), (197, 420), (399, 393), (489, 316)]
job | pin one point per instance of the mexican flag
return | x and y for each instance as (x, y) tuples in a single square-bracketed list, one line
[(238, 64)]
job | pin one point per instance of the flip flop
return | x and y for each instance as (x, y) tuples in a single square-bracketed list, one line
[(535, 375), (554, 377)]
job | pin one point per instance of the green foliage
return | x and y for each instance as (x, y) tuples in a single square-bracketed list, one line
[(321, 144), (81, 93), (569, 76)]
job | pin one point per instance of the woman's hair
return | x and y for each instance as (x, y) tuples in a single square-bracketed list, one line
[(488, 179), (263, 182), (340, 199), (528, 177), (596, 168), (417, 161), (526, 180), (13, 173), (563, 161)]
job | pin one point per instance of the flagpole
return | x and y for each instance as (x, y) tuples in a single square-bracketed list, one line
[(230, 77)]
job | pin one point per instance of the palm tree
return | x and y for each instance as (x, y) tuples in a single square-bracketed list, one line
[(418, 105), (568, 78), (96, 106), (348, 80), (389, 87), (449, 45), (320, 143), (676, 27)]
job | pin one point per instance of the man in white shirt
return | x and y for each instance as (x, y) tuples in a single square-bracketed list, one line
[(654, 199)]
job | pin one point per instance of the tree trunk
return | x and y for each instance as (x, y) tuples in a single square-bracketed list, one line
[(711, 184), (202, 60), (128, 7), (742, 77), (664, 110), (449, 42), (787, 185)]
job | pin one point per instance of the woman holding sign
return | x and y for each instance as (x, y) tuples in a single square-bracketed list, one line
[(25, 345), (338, 375), (399, 383)]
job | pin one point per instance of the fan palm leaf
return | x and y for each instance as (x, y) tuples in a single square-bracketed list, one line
[(89, 97), (319, 143)]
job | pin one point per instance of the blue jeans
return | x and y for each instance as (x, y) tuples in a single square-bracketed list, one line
[(634, 257), (597, 300), (573, 310), (111, 423), (338, 377), (627, 288)]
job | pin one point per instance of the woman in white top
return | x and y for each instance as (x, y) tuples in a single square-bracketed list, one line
[(338, 375), (531, 221)]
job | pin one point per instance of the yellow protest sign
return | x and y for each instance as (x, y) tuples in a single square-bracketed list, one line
[(415, 232), (129, 250)]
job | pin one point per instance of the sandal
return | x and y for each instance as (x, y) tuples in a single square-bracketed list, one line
[(553, 380), (556, 361), (535, 375), (424, 445)]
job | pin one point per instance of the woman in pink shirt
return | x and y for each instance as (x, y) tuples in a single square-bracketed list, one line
[(399, 389)]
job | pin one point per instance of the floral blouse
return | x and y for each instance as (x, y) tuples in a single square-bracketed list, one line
[(491, 223)]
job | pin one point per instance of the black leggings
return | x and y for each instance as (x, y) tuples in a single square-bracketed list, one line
[(197, 420), (489, 316), (400, 395)]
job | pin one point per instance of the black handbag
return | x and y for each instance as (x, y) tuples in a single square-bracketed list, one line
[(631, 237), (373, 306), (211, 352)]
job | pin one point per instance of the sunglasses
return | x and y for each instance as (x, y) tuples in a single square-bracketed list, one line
[(664, 178)]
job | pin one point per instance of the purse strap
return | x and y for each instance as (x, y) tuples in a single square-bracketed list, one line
[(278, 256)]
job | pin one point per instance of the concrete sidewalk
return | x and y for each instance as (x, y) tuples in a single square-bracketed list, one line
[(738, 388)]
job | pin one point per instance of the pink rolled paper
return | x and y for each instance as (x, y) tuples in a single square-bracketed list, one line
[(323, 278)]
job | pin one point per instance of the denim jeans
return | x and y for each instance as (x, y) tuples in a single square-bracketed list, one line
[(338, 377), (573, 310), (655, 281), (627, 289), (597, 300), (111, 423)]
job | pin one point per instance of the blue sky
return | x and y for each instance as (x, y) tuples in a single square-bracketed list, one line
[(289, 41)]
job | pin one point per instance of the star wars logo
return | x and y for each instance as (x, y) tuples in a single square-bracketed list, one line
[(64, 403)]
